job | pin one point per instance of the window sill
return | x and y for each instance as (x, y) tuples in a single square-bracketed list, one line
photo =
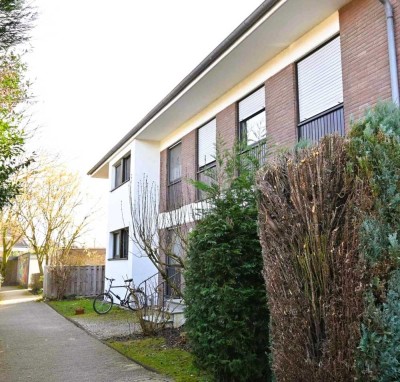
[(117, 259), (116, 188)]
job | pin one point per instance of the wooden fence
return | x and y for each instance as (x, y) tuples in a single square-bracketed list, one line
[(84, 281)]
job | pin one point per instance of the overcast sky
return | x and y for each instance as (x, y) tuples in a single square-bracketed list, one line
[(98, 67)]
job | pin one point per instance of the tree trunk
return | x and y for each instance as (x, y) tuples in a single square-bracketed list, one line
[(40, 263)]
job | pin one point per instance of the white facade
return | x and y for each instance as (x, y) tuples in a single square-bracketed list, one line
[(144, 162)]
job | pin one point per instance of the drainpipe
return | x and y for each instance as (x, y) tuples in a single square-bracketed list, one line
[(394, 80)]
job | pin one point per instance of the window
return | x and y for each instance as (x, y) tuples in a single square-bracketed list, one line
[(320, 92), (252, 122), (206, 151), (120, 244), (175, 176), (252, 125), (122, 171), (173, 268)]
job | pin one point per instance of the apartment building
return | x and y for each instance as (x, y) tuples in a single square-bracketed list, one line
[(293, 69)]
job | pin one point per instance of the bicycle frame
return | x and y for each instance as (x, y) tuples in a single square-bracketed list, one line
[(123, 301), (129, 290)]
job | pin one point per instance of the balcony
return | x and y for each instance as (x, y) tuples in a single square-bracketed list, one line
[(326, 123)]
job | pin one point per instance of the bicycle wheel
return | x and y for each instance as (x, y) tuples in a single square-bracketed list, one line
[(136, 300), (103, 303)]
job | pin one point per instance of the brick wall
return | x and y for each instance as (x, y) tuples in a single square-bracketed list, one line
[(365, 62), (189, 166), (227, 125), (281, 109), (366, 79)]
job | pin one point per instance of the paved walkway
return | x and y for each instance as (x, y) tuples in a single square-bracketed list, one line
[(39, 345)]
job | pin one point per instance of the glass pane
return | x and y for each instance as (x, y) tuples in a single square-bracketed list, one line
[(254, 129), (116, 244), (127, 169), (175, 167), (125, 243), (208, 177), (118, 175)]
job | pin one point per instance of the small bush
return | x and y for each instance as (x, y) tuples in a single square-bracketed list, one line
[(37, 283), (227, 317)]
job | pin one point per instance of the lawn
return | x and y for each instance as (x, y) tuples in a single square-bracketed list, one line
[(67, 309), (154, 353)]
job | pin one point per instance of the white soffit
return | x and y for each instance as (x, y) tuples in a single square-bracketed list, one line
[(287, 24)]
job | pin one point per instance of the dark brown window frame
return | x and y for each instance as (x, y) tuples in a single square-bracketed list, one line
[(122, 252), (241, 128), (125, 171), (176, 182)]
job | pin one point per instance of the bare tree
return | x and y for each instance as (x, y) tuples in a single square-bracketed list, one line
[(16, 18), (50, 211), (10, 233), (160, 235)]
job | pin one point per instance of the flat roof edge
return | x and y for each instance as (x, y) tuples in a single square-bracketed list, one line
[(251, 20)]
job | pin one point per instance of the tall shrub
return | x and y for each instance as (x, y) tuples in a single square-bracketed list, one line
[(375, 150), (227, 317), (313, 273)]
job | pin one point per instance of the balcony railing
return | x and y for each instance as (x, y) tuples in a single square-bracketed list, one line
[(256, 155), (329, 122)]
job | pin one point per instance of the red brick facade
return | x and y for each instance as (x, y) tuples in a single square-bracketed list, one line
[(227, 126), (281, 109), (365, 61), (189, 166), (366, 79)]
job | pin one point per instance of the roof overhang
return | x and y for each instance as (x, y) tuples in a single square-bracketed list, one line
[(265, 33)]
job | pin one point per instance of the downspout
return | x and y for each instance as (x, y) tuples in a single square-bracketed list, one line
[(394, 79)]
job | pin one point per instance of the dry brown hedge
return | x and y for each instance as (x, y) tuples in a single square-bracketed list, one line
[(314, 275)]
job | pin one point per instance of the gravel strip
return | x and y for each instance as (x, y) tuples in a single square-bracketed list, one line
[(105, 329)]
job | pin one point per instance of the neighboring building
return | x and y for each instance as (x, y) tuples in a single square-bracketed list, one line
[(20, 269), (293, 69)]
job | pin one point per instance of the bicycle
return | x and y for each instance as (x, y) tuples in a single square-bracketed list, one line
[(134, 298)]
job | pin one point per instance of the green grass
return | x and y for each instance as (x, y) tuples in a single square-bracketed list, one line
[(67, 309), (153, 352)]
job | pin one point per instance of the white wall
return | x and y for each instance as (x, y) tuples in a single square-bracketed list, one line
[(145, 164), (118, 206), (145, 161)]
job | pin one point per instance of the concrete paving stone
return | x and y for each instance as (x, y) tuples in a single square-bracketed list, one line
[(39, 345)]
